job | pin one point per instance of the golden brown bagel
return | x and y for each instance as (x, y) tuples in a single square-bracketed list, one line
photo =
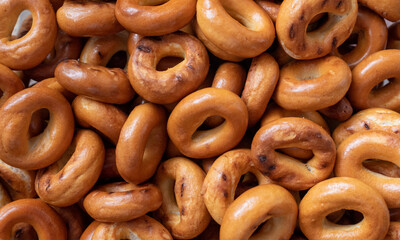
[(105, 118), (369, 73), (70, 178), (18, 182), (313, 84), (285, 170), (343, 193), (191, 112), (183, 211), (268, 203), (142, 143), (96, 82), (31, 49), (120, 201), (10, 84), (294, 17), (366, 145), (223, 178), (173, 84), (16, 147), (86, 18), (156, 17), (47, 224)]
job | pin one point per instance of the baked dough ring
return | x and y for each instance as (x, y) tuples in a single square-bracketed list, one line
[(265, 203), (366, 145), (343, 193), (285, 170), (31, 49), (16, 148), (294, 16), (369, 73)]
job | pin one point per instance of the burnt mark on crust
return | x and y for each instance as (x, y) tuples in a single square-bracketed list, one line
[(366, 126), (100, 54), (110, 192), (191, 67), (179, 78), (323, 3), (334, 42), (224, 177), (272, 167), (225, 194), (183, 211), (292, 33), (323, 165), (303, 46), (302, 16), (262, 158), (182, 188), (308, 167), (319, 51), (48, 185), (339, 4), (143, 48), (61, 175), (318, 135)]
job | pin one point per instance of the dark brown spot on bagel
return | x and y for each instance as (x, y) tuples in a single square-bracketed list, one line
[(323, 3), (100, 54), (303, 46), (225, 194), (272, 167), (339, 4), (319, 51), (366, 126), (144, 48), (302, 16), (323, 165), (182, 188), (179, 78), (183, 211), (191, 67), (334, 42), (308, 167), (48, 184), (318, 135), (292, 33), (224, 177), (61, 175), (110, 192), (262, 158)]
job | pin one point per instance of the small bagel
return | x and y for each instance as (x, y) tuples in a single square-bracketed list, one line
[(191, 112), (96, 82), (294, 17), (87, 18), (182, 211), (372, 35), (105, 118), (31, 49), (164, 87), (155, 18), (260, 84), (368, 119), (120, 201), (387, 9), (47, 224), (341, 111), (222, 179), (69, 179), (366, 145), (265, 203), (142, 143), (10, 84), (394, 37), (343, 193), (18, 182), (312, 85), (369, 73), (285, 170), (247, 26), (16, 148)]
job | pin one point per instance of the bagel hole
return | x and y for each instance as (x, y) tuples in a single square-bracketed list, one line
[(118, 60), (212, 122), (382, 167), (24, 231), (247, 181), (384, 84), (265, 227), (39, 121), (345, 217), (168, 62), (303, 155), (23, 25), (151, 2), (318, 22), (349, 45)]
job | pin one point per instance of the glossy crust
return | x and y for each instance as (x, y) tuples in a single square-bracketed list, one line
[(31, 49), (294, 16), (343, 193), (369, 73), (105, 118), (312, 85), (164, 87), (368, 119), (69, 179), (372, 35), (10, 84), (387, 9), (247, 26), (53, 84), (47, 224), (191, 112), (73, 219), (341, 111), (66, 47), (285, 170), (142, 143), (183, 211), (366, 145), (260, 84), (18, 182), (16, 148), (223, 178), (110, 85), (154, 18), (120, 201), (86, 18), (263, 203)]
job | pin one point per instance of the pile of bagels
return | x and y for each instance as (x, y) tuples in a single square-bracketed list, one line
[(199, 119)]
